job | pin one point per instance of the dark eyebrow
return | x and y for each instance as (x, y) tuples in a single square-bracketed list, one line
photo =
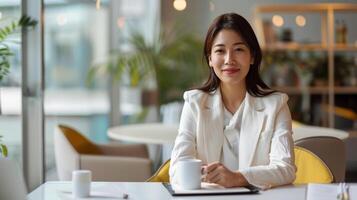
[(218, 45), (237, 43), (240, 43)]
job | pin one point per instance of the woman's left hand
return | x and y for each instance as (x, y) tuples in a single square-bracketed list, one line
[(219, 174)]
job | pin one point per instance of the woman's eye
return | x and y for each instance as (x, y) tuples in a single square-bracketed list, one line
[(219, 51), (239, 49)]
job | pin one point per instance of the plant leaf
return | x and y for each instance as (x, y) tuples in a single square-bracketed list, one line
[(4, 150)]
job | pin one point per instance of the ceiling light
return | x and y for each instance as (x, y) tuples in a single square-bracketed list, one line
[(278, 20), (300, 20), (180, 5)]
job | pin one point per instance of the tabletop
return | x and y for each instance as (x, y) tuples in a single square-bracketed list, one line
[(150, 133), (158, 133), (154, 191), (312, 131)]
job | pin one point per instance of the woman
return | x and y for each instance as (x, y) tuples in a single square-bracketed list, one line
[(234, 123)]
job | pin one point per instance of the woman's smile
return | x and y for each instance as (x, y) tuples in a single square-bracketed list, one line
[(230, 70)]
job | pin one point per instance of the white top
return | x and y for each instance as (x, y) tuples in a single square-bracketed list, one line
[(230, 152)]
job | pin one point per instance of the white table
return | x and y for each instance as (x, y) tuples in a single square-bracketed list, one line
[(164, 135), (156, 133), (151, 133), (313, 131), (161, 135), (155, 191)]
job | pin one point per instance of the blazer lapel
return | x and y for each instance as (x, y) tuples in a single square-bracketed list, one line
[(213, 125), (252, 122)]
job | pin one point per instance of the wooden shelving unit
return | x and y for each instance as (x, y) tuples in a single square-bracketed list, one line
[(327, 11), (317, 90), (308, 47)]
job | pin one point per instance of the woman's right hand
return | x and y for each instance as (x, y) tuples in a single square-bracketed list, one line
[(217, 173)]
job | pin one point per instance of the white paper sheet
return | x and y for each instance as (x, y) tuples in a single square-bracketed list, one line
[(321, 192), (328, 191)]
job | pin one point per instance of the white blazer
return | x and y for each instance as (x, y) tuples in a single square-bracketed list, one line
[(266, 156)]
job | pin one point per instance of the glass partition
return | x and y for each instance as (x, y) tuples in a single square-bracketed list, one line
[(79, 36), (10, 85)]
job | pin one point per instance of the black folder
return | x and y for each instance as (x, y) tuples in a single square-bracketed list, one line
[(211, 191)]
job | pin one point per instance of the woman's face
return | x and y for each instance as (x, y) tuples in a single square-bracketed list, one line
[(230, 57)]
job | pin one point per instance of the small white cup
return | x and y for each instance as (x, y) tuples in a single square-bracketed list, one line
[(81, 180), (189, 174)]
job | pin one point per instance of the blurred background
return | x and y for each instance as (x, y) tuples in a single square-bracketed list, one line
[(122, 62)]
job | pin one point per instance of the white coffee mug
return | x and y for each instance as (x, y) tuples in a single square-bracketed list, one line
[(189, 174), (81, 181)]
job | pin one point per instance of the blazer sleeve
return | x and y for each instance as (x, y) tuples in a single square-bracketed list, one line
[(185, 143), (281, 168)]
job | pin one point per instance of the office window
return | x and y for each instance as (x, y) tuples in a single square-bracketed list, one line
[(10, 86), (78, 36), (75, 36)]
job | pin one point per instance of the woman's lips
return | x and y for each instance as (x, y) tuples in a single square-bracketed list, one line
[(230, 71)]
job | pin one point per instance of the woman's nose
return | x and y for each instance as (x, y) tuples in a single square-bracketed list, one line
[(229, 57)]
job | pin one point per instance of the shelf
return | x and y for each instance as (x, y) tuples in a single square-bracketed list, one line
[(293, 46), (314, 7), (345, 47), (326, 44), (346, 90), (317, 90)]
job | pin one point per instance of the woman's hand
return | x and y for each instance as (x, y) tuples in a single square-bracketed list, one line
[(219, 174)]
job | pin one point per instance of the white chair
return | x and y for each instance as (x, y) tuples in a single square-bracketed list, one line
[(12, 184), (121, 162)]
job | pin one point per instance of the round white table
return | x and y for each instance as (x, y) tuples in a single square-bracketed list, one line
[(161, 135), (313, 131), (150, 133)]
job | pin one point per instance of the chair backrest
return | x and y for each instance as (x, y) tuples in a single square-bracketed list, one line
[(68, 145), (310, 168), (162, 174), (12, 184), (330, 150), (78, 141)]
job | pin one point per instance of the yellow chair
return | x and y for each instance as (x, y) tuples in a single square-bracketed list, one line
[(296, 124), (162, 174), (310, 169), (334, 158)]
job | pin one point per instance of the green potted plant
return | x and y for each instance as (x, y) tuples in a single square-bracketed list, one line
[(174, 63), (5, 54)]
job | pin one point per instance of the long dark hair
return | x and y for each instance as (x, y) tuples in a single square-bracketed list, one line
[(255, 85)]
